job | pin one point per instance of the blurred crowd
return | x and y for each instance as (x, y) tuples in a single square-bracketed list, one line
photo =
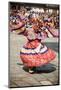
[(35, 18)]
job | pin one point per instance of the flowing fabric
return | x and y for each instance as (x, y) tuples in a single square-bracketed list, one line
[(34, 54)]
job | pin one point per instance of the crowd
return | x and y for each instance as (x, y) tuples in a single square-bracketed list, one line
[(35, 19)]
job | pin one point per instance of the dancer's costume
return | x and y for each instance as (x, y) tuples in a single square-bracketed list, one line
[(34, 53), (16, 25)]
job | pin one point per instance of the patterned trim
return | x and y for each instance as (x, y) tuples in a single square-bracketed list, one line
[(33, 53), (28, 48), (32, 48)]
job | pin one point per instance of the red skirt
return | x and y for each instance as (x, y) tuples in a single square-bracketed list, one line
[(35, 55)]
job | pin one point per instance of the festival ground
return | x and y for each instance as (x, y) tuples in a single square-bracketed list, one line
[(47, 75)]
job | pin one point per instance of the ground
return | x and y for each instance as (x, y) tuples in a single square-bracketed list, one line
[(18, 77)]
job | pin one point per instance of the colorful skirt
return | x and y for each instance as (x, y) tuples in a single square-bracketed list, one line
[(34, 55)]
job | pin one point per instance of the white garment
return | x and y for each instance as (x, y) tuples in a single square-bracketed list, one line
[(33, 51)]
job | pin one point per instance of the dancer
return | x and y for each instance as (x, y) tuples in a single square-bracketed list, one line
[(34, 53)]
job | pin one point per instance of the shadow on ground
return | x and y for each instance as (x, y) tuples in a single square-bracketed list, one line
[(44, 69)]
